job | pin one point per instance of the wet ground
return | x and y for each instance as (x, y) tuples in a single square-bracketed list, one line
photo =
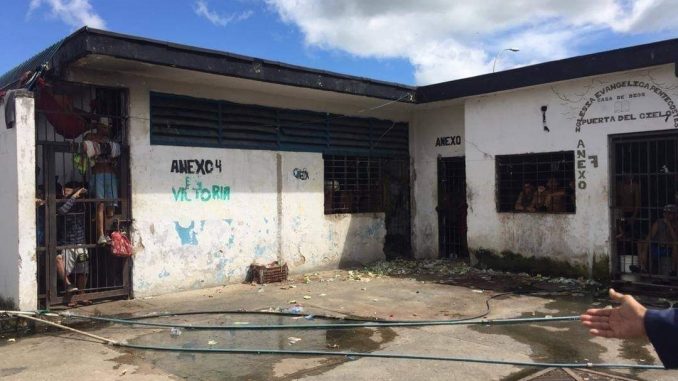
[(422, 292), (249, 367)]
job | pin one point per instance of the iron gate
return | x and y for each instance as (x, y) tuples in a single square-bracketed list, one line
[(644, 186), (81, 143), (452, 207), (396, 175)]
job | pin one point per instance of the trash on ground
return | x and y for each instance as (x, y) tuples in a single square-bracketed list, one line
[(296, 309), (174, 331), (293, 340), (211, 342), (307, 297)]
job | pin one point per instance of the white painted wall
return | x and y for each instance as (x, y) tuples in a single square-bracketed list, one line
[(511, 123), (270, 214), (18, 280), (428, 124)]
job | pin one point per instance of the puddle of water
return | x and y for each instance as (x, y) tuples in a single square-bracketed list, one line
[(569, 342), (552, 342), (247, 367)]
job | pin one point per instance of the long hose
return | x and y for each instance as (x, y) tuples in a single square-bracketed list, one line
[(349, 355), (367, 324), (133, 320), (355, 355)]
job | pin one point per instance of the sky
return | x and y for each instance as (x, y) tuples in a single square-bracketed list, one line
[(404, 41)]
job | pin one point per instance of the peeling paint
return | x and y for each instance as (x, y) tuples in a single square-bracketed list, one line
[(187, 234)]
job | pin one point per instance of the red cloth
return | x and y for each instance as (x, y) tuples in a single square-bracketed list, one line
[(60, 113), (121, 245)]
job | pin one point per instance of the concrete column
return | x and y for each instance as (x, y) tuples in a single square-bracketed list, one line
[(18, 265)]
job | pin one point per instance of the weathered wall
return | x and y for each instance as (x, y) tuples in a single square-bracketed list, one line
[(187, 242), (18, 283), (511, 123), (429, 124)]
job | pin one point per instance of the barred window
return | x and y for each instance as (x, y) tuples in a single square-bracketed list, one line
[(536, 183), (353, 184)]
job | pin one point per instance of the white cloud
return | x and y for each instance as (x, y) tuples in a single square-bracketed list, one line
[(201, 9), (75, 13), (446, 39)]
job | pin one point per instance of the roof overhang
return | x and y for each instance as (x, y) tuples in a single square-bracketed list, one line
[(87, 41), (90, 42), (635, 57)]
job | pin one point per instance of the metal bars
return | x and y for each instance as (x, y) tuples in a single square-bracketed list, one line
[(452, 207), (536, 183), (67, 235), (644, 185), (353, 184)]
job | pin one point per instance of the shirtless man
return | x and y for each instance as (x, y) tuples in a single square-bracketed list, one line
[(524, 201), (556, 197), (103, 182)]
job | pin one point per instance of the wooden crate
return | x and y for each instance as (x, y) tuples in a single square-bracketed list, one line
[(270, 273)]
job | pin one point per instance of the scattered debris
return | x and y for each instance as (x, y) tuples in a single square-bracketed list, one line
[(211, 342), (296, 309), (332, 346), (322, 295), (453, 272), (174, 332), (309, 317), (11, 340), (293, 340), (124, 372), (307, 297)]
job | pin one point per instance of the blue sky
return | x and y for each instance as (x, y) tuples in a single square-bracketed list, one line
[(411, 42)]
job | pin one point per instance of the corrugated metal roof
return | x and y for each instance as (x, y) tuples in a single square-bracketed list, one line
[(11, 78)]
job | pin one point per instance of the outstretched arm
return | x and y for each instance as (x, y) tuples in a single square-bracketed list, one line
[(631, 320), (623, 322)]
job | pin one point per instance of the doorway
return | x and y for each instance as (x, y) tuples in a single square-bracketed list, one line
[(644, 185), (452, 207), (396, 196), (82, 189)]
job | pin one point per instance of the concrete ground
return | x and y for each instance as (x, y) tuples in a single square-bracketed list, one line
[(56, 355)]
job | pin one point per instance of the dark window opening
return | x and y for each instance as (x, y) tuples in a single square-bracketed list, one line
[(536, 183), (353, 184)]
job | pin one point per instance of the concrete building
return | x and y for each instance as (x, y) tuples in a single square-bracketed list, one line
[(223, 161)]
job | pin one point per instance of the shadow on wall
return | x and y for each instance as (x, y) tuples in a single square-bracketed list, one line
[(7, 304)]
